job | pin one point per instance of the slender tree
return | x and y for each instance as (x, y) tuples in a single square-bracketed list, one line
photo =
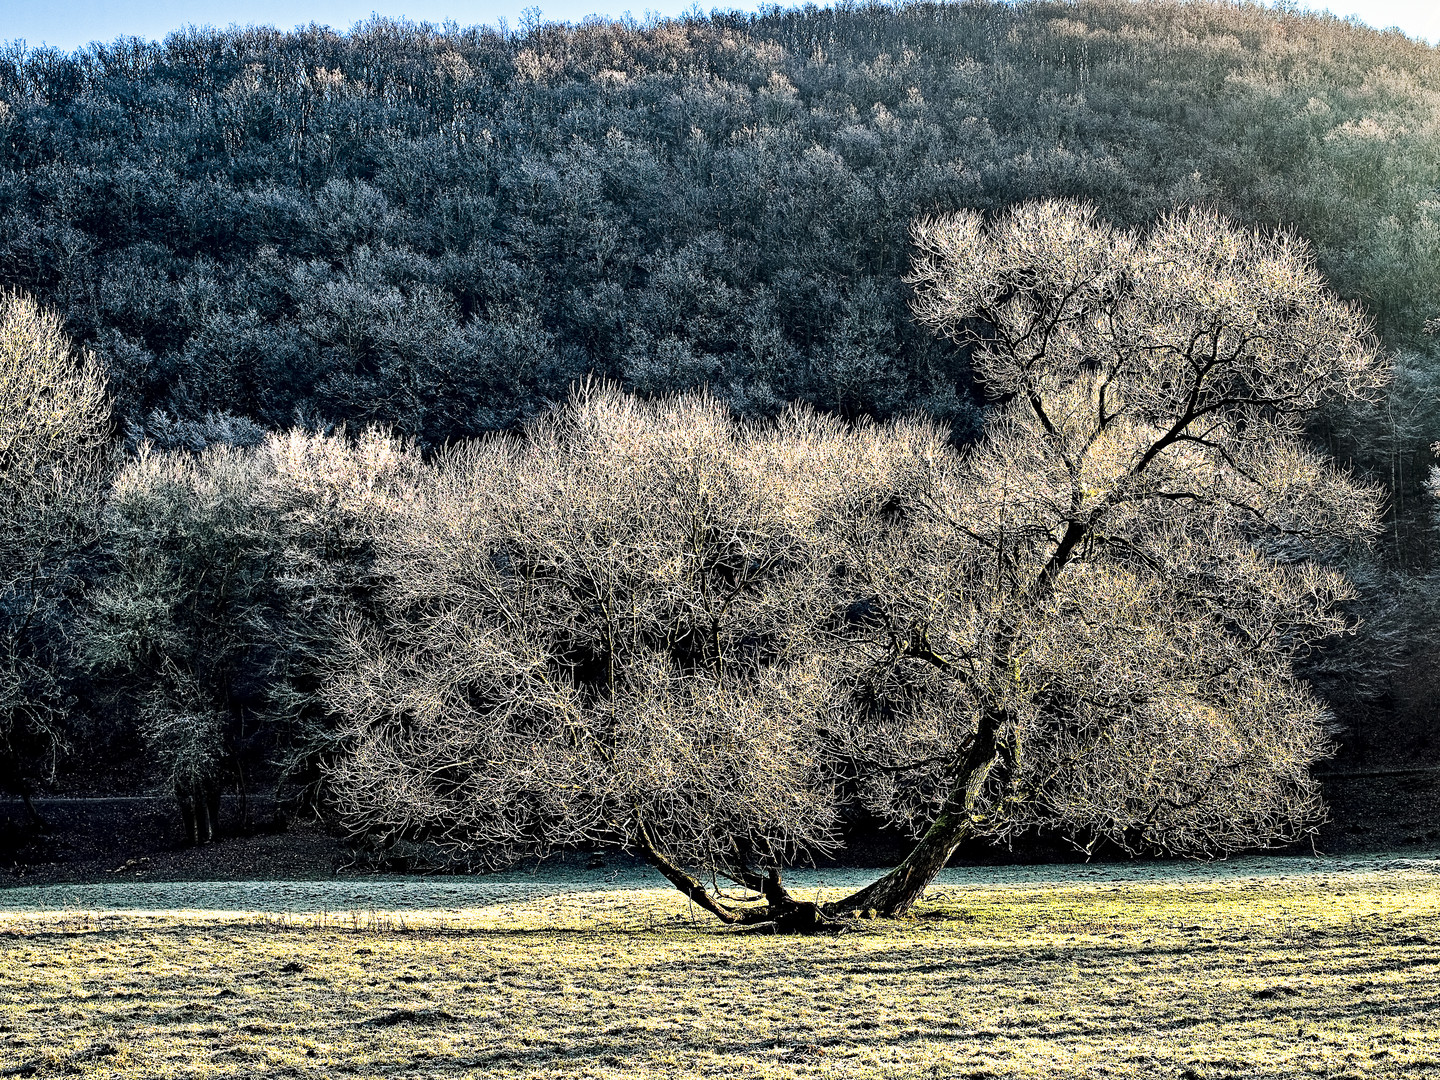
[(54, 432)]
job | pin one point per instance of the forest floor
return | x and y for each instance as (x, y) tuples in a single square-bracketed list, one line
[(1255, 968)]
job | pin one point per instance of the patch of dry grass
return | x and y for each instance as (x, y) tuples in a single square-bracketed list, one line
[(1327, 977)]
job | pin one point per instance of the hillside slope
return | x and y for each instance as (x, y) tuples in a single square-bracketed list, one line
[(439, 230)]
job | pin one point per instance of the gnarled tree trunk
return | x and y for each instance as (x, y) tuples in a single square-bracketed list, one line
[(780, 913), (896, 892)]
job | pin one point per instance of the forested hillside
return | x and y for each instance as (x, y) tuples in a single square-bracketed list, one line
[(442, 230)]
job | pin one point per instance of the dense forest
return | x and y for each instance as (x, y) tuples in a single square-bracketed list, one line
[(441, 230)]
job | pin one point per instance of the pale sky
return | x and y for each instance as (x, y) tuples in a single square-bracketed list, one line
[(68, 24)]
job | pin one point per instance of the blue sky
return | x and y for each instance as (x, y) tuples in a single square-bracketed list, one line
[(68, 24)]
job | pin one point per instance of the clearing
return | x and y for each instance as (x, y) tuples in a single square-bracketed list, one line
[(1253, 968)]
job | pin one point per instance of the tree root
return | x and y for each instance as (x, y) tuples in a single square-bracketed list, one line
[(789, 916), (780, 914)]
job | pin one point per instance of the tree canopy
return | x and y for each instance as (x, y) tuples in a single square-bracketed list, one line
[(644, 625)]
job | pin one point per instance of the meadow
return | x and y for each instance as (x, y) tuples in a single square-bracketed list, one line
[(1326, 975)]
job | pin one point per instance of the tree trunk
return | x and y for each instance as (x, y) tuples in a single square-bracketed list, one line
[(200, 811), (36, 820), (189, 812), (244, 792), (784, 914), (897, 891), (687, 884), (780, 914), (894, 894)]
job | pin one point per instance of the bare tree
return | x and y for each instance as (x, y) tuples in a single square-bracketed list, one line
[(54, 430), (645, 625), (611, 631), (1112, 586), (227, 568)]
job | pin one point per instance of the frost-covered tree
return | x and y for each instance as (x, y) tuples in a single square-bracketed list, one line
[(227, 569), (54, 431), (1109, 591), (648, 626), (612, 632)]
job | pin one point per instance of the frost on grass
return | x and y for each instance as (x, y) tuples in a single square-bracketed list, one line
[(1328, 975)]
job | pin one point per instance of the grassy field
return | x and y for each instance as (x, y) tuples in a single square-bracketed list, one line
[(1325, 976)]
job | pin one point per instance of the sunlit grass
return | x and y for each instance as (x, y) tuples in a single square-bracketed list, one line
[(1329, 977)]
